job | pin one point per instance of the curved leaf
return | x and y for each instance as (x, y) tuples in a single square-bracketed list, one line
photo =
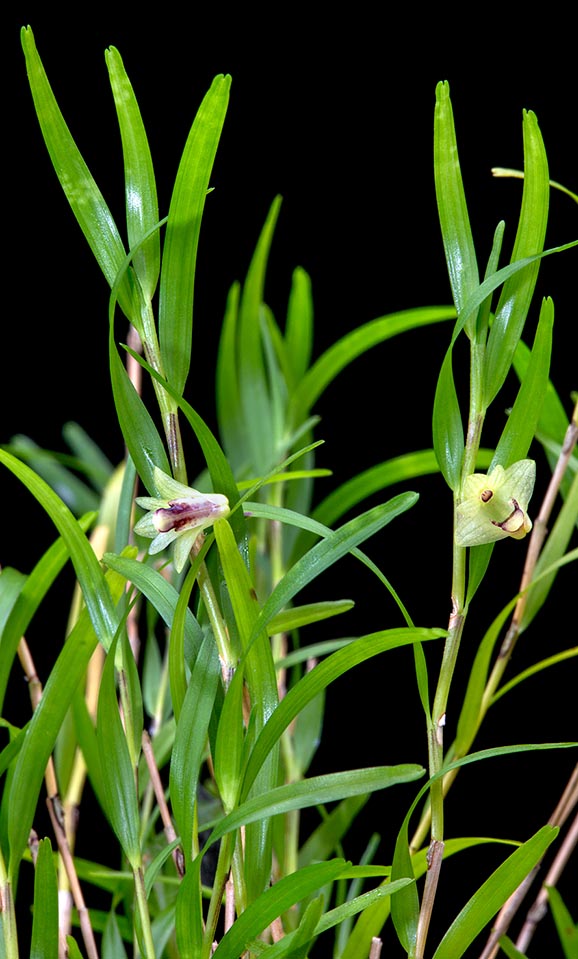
[(182, 232), (142, 211), (518, 290), (44, 939), (86, 200), (352, 345), (315, 681), (87, 568), (492, 894), (452, 208)]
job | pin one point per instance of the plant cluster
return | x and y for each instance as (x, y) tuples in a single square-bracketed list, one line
[(187, 692)]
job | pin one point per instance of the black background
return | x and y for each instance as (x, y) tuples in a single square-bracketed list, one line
[(335, 113)]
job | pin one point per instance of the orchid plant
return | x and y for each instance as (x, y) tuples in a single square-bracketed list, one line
[(190, 690)]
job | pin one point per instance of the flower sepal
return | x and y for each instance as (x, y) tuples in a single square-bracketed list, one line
[(494, 506), (177, 516)]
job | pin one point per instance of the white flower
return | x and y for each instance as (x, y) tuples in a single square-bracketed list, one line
[(179, 516), (495, 506)]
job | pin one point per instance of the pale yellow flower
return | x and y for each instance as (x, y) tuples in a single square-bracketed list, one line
[(495, 506)]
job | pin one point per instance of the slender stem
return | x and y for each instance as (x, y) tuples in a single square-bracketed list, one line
[(450, 655), (9, 933), (220, 881), (143, 912)]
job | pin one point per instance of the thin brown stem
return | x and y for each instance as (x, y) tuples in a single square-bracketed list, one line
[(57, 820), (161, 801)]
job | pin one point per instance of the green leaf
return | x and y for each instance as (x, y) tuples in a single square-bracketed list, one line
[(132, 700), (137, 426), (43, 728), (73, 950), (44, 940), (94, 462), (405, 906), (160, 593), (191, 741), (222, 478), (492, 894), (335, 545), (360, 904), (376, 912), (232, 427), (352, 345), (299, 616), (319, 678), (325, 839), (332, 787), (182, 233), (118, 772), (88, 572), (86, 200), (553, 421), (523, 419), (299, 325), (553, 550), (142, 212), (71, 489), (252, 377), (373, 480), (518, 290), (509, 948), (566, 928), (452, 208), (261, 680), (273, 903), (447, 426), (188, 915)]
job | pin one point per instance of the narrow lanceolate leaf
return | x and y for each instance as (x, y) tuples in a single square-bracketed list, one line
[(314, 791), (566, 927), (315, 681), (554, 548), (222, 477), (232, 427), (335, 545), (21, 596), (253, 381), (262, 685), (182, 232), (86, 200), (452, 208), (553, 421), (490, 897), (354, 344), (190, 743), (448, 430), (95, 592), (517, 292), (299, 326), (142, 211), (523, 420), (118, 773), (273, 903), (137, 426), (42, 731), (44, 940)]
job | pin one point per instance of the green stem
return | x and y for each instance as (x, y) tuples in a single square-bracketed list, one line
[(451, 649), (147, 944), (9, 932), (221, 876), (218, 625)]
